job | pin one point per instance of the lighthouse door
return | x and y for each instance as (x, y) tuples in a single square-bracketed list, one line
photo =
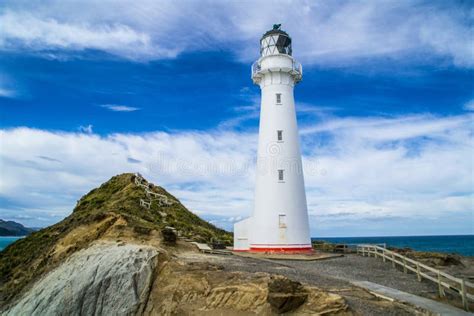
[(282, 227)]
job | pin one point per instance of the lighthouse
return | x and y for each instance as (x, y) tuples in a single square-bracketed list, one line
[(279, 222)]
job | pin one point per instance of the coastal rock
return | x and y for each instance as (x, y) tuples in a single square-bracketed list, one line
[(285, 295), (111, 211), (202, 288), (434, 259), (104, 279), (169, 235), (110, 257)]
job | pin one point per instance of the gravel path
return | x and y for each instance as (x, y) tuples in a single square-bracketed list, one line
[(335, 274)]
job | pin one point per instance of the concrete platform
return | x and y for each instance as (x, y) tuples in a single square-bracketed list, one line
[(434, 307), (293, 257)]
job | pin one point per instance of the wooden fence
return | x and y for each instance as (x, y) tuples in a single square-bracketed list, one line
[(162, 199), (442, 279)]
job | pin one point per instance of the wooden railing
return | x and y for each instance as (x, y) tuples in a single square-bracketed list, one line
[(162, 199), (444, 280)]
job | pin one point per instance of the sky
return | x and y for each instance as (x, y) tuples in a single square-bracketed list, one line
[(91, 89)]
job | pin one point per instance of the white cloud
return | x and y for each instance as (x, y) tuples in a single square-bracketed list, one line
[(469, 106), (27, 31), (7, 88), (324, 33), (6, 93), (86, 129), (364, 170), (119, 108)]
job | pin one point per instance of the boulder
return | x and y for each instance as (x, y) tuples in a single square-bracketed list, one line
[(169, 235), (104, 279), (285, 295)]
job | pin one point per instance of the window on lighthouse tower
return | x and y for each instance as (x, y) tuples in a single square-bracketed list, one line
[(280, 135), (280, 175), (278, 98), (282, 220)]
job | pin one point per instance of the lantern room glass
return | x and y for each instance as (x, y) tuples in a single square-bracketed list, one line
[(276, 43)]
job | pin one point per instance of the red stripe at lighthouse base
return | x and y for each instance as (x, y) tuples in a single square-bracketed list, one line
[(282, 249)]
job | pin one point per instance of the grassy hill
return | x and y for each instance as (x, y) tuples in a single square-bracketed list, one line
[(117, 199)]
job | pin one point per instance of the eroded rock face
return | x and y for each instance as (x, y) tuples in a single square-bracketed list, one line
[(111, 278), (285, 295), (104, 279), (207, 289)]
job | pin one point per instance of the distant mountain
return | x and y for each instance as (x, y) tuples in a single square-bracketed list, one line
[(11, 228)]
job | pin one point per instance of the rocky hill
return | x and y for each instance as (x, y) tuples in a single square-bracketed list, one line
[(109, 258), (115, 203), (11, 228)]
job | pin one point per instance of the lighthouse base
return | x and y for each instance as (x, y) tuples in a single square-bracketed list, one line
[(283, 249), (242, 243)]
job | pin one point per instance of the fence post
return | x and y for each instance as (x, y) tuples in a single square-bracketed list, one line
[(404, 265), (383, 255), (440, 287), (464, 296), (418, 272), (393, 260)]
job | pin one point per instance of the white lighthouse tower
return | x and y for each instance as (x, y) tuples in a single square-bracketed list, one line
[(279, 222)]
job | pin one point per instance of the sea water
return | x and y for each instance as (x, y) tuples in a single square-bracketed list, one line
[(5, 241), (461, 244)]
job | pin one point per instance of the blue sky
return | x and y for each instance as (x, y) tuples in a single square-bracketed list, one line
[(91, 89)]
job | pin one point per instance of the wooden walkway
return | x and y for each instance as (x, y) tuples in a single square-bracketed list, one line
[(443, 280), (431, 306)]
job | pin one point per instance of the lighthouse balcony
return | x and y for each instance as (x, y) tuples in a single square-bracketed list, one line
[(262, 66)]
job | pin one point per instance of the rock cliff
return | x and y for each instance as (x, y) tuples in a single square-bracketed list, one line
[(108, 258), (104, 279)]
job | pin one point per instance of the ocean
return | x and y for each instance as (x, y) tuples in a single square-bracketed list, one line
[(462, 244), (5, 241)]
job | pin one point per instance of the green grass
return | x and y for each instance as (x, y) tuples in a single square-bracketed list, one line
[(30, 257)]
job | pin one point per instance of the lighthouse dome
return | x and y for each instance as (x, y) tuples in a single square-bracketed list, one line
[(275, 42)]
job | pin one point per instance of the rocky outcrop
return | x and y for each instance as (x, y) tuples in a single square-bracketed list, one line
[(114, 208), (285, 295), (111, 278), (434, 259), (112, 256), (105, 279), (200, 288)]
